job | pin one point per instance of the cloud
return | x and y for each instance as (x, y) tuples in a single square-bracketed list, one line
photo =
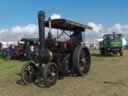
[(99, 30), (96, 27), (18, 32), (118, 28), (31, 31), (55, 16)]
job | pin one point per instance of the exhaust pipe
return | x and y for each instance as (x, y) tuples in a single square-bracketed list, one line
[(44, 54), (41, 24)]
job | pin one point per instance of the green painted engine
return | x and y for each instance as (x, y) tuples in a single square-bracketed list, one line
[(111, 44)]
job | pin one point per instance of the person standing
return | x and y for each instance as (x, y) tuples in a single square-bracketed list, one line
[(8, 55)]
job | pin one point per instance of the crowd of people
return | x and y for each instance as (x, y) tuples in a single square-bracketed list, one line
[(17, 51), (6, 52)]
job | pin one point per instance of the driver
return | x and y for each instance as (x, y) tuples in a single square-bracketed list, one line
[(49, 40), (76, 35), (50, 37)]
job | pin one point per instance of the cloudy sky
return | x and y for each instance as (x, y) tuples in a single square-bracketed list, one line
[(18, 18)]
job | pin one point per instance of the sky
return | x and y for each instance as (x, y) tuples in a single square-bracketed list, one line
[(19, 16)]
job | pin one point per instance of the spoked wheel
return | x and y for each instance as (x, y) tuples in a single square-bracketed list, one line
[(50, 74), (81, 60), (27, 73), (39, 81)]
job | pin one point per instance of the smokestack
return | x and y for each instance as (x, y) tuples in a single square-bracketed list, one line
[(41, 23)]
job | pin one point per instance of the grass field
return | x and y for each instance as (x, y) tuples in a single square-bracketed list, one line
[(108, 77)]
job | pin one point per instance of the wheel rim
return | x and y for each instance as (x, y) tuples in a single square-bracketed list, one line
[(51, 75), (84, 61), (28, 73)]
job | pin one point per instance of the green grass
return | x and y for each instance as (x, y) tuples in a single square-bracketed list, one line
[(108, 77)]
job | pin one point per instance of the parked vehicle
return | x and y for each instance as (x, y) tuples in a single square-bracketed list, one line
[(23, 49), (112, 43)]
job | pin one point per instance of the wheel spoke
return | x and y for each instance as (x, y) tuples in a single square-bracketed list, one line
[(83, 61), (50, 75), (28, 73)]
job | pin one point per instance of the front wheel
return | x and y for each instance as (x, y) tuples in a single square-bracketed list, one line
[(50, 74), (27, 73)]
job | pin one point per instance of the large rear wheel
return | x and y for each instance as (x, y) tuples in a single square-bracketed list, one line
[(81, 60)]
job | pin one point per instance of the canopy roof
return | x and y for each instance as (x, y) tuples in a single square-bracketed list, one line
[(68, 25), (29, 39)]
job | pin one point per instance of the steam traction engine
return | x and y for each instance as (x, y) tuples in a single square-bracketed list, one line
[(54, 58)]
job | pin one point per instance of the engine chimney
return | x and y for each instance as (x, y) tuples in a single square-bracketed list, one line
[(41, 23)]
